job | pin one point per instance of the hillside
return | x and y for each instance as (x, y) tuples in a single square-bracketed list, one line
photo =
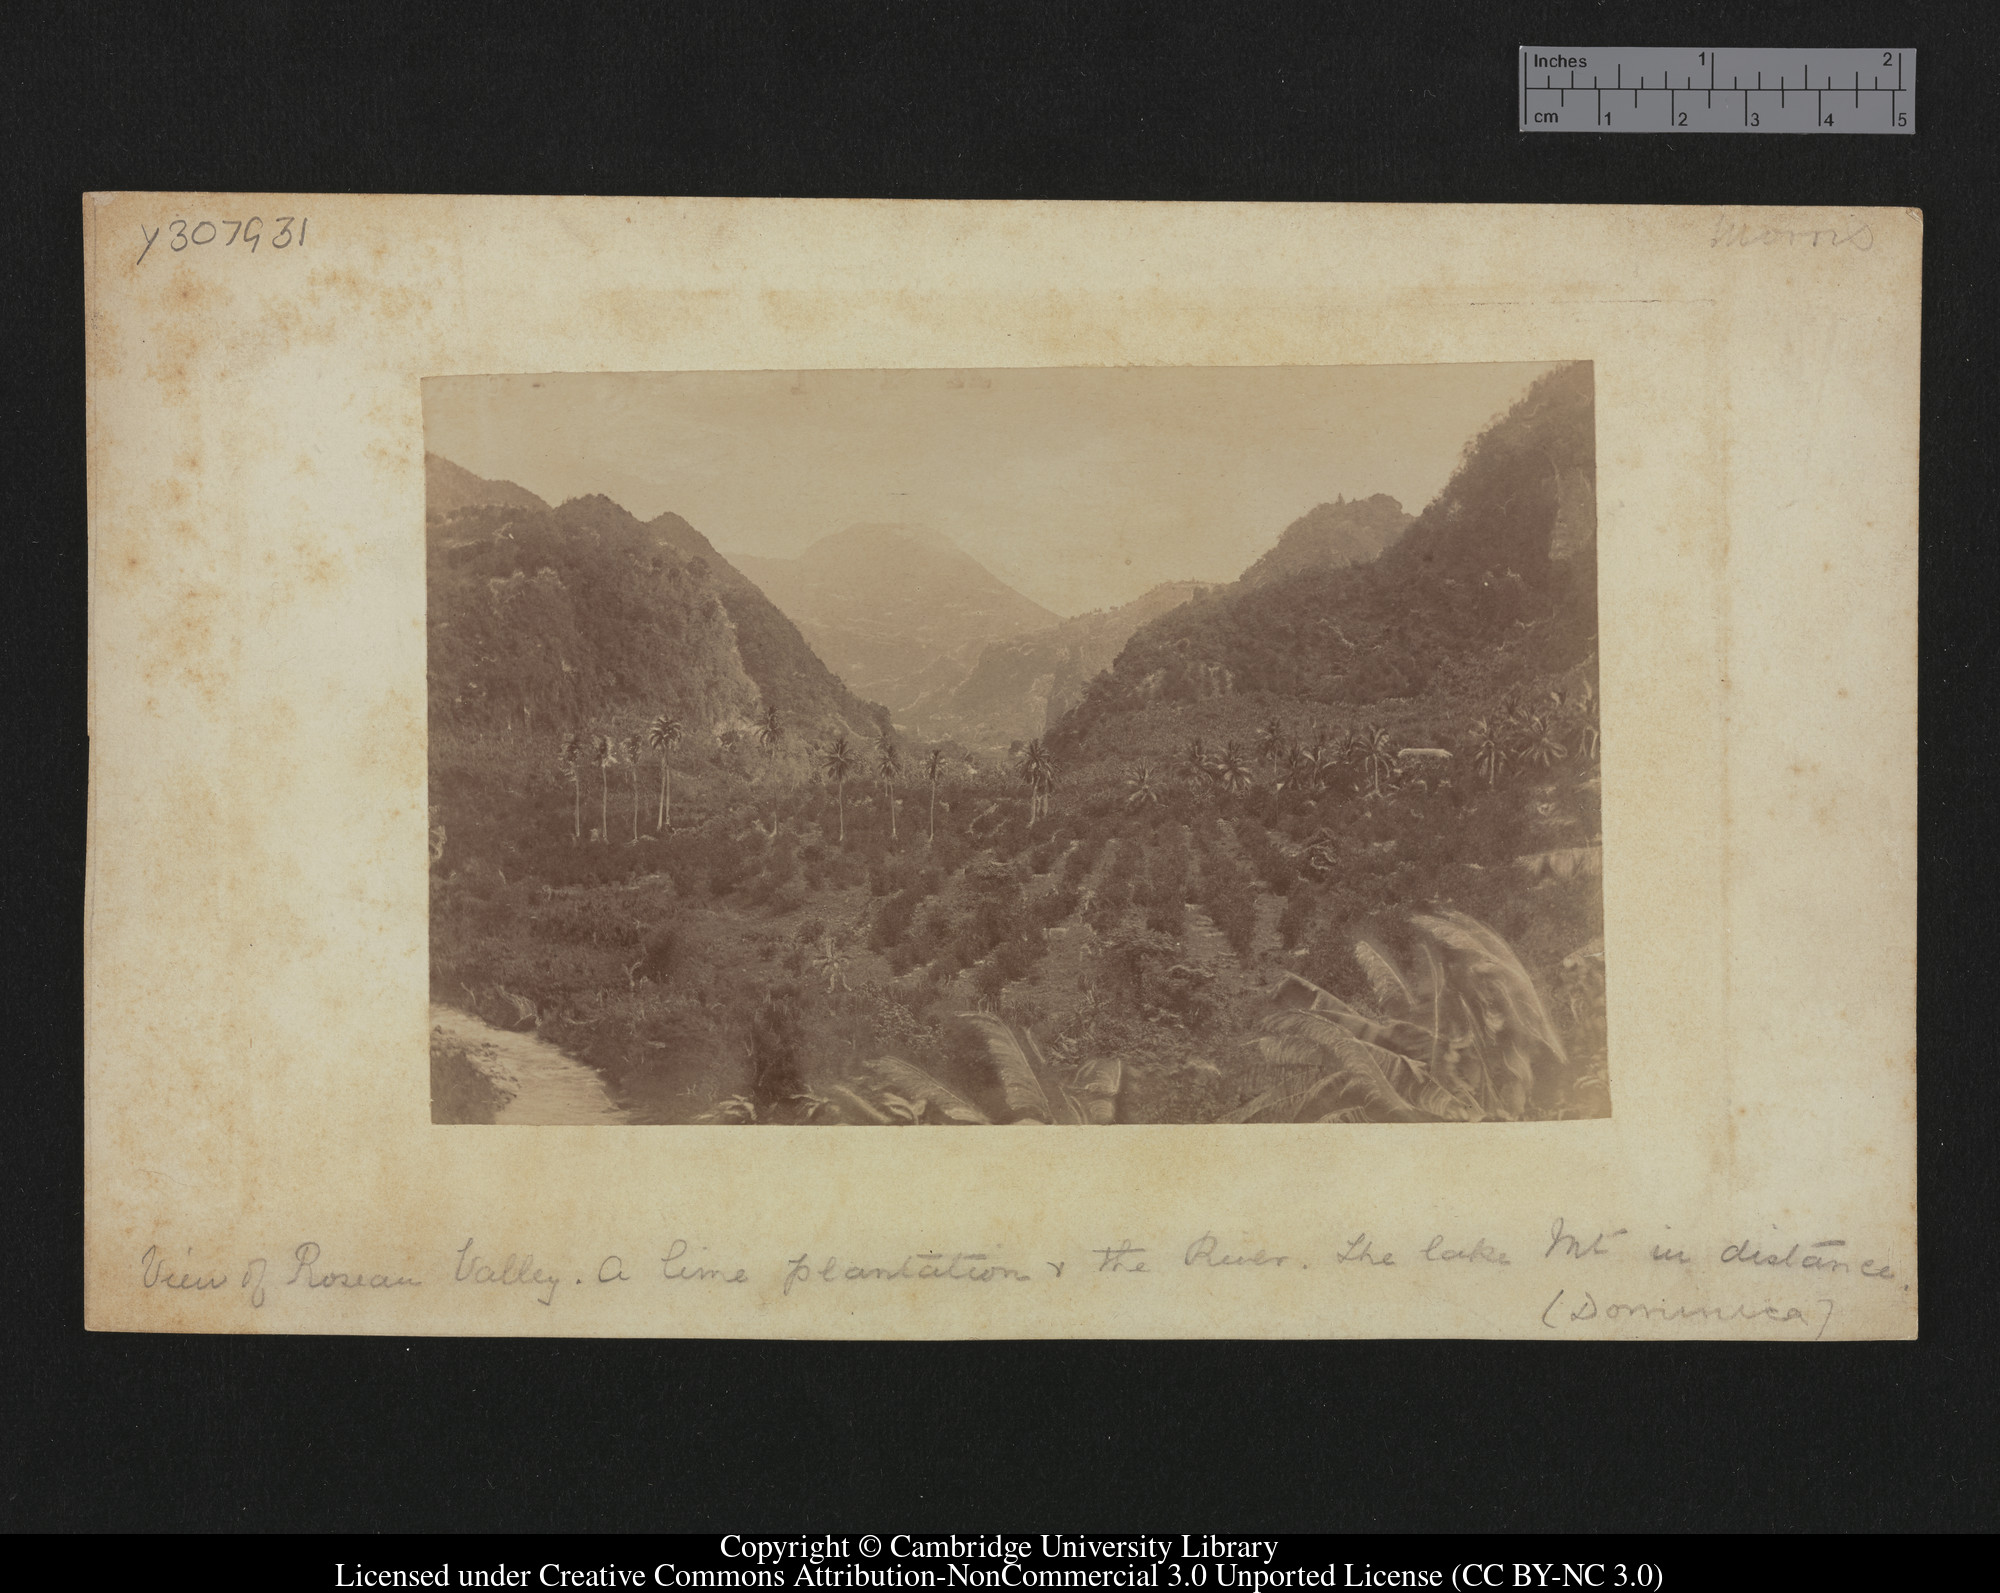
[(789, 672), (1331, 536), (1495, 583), (553, 619), (884, 604), (1014, 690), (449, 488)]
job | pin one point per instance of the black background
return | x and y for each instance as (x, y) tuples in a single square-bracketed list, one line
[(1407, 102)]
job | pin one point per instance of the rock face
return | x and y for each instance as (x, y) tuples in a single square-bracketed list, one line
[(1014, 690), (886, 605), (1330, 536)]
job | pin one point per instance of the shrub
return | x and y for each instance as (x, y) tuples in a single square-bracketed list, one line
[(1296, 919)]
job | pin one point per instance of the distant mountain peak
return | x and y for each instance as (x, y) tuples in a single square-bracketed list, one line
[(886, 605), (450, 487), (874, 536)]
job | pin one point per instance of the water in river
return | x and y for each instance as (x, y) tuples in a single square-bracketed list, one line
[(547, 1087)]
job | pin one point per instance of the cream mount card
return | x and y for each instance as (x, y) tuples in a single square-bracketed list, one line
[(1399, 720)]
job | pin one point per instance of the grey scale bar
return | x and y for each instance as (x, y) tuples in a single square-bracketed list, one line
[(1582, 89)]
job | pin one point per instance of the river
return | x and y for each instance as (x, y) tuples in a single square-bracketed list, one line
[(548, 1087)]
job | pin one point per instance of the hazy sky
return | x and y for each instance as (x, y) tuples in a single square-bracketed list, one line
[(1080, 488)]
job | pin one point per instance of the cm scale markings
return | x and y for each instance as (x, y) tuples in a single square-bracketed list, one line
[(1717, 91)]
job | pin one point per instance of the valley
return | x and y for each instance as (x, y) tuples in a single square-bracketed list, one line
[(866, 838)]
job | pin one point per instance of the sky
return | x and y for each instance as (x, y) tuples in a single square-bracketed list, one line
[(1079, 487)]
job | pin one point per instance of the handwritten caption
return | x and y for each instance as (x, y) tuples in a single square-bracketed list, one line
[(1767, 1282)]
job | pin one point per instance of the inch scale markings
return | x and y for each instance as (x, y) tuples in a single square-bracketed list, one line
[(1588, 90)]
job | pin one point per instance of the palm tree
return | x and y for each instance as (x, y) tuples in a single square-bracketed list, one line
[(1300, 769), (1377, 756), (767, 727), (933, 772), (1140, 785), (1038, 768), (569, 763), (830, 963), (1233, 772), (888, 764), (1541, 746), (606, 752), (632, 749), (1489, 751), (664, 733), (1194, 761), (1271, 741), (837, 763), (1584, 709)]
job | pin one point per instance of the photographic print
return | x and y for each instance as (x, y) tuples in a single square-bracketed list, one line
[(1081, 746), (711, 674)]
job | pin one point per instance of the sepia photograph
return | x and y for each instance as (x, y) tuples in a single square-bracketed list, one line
[(1016, 746)]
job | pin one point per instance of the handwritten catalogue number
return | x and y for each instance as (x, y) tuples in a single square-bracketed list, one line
[(182, 235)]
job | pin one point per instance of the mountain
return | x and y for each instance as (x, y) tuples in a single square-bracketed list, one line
[(449, 487), (884, 604), (1494, 583), (560, 618), (1332, 535), (1014, 690), (788, 670)]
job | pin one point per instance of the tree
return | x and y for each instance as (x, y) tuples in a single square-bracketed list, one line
[(1271, 741), (888, 764), (569, 764), (1540, 745), (1038, 768), (1142, 792), (1489, 751), (606, 751), (768, 729), (933, 772), (1299, 769), (830, 963), (837, 763), (664, 734), (1377, 756), (1233, 772), (632, 747), (1194, 762), (1583, 709)]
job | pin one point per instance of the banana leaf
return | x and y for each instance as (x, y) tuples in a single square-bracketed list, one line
[(1312, 1039), (1388, 985), (911, 1081), (1010, 1057), (1095, 1089)]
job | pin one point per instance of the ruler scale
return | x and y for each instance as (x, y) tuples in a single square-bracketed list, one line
[(1589, 90)]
